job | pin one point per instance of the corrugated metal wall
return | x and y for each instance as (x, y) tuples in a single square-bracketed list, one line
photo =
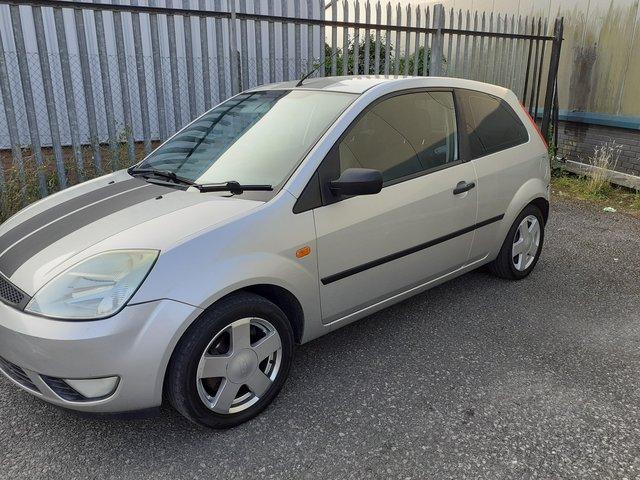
[(600, 63)]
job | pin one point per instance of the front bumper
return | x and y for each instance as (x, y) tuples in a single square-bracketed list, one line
[(135, 345)]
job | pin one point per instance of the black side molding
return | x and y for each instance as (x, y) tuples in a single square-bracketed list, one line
[(403, 253)]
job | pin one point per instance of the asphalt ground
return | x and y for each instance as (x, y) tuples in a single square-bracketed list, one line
[(477, 378)]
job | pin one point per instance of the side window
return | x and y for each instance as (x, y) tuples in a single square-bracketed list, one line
[(492, 125), (403, 135)]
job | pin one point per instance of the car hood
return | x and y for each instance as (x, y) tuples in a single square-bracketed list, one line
[(112, 212)]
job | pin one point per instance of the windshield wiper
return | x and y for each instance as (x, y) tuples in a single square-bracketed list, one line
[(232, 186), (162, 174)]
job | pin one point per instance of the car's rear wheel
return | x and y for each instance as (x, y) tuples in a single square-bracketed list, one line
[(522, 247), (231, 363)]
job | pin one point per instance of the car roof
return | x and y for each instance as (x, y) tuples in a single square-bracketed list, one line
[(359, 84)]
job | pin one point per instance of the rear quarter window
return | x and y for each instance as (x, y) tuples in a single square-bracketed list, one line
[(490, 123)]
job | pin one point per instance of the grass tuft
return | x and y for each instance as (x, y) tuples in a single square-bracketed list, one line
[(574, 186), (605, 157)]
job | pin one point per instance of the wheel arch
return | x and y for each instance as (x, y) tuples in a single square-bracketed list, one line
[(285, 300), (543, 204), (532, 192), (280, 296)]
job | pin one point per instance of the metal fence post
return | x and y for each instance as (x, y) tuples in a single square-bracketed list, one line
[(244, 48), (438, 41), (257, 27), (334, 38), (297, 42), (284, 29), (272, 42), (396, 63), (345, 39), (49, 98), (367, 38), (12, 124), (142, 80), (220, 60), (322, 40), (310, 59), (87, 87), (204, 55), (69, 95), (376, 49), (157, 73), (173, 65), (233, 47), (554, 63), (428, 40), (107, 93), (27, 94), (124, 92)]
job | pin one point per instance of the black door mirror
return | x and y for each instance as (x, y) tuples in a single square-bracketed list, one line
[(357, 181)]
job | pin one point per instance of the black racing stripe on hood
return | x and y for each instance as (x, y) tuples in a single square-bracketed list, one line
[(17, 255), (47, 216)]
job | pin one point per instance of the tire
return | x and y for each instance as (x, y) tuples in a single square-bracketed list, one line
[(516, 267), (216, 376)]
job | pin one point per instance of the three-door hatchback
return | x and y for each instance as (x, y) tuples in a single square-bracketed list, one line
[(278, 216)]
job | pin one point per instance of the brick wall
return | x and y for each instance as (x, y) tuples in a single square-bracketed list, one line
[(576, 141)]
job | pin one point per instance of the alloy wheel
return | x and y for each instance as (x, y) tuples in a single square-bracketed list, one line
[(239, 365), (526, 243)]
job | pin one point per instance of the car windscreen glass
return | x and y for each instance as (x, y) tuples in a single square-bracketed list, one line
[(253, 138)]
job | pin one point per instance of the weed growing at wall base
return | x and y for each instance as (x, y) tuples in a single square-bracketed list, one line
[(603, 159), (21, 188)]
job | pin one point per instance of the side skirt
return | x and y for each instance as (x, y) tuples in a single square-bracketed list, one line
[(312, 333)]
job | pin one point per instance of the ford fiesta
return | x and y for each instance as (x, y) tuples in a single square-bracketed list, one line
[(280, 215)]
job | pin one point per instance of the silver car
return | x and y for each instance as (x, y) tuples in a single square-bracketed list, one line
[(284, 213)]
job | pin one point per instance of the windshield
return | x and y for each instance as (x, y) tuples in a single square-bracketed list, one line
[(253, 138)]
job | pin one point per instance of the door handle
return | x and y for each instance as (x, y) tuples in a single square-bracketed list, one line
[(462, 187)]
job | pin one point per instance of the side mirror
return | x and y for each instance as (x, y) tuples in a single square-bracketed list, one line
[(357, 181)]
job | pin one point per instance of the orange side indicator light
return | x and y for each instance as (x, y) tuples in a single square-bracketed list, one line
[(303, 252)]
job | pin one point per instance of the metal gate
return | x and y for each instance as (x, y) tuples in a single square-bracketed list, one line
[(87, 88)]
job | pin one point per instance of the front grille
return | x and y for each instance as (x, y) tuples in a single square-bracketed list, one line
[(18, 374), (63, 389), (11, 294)]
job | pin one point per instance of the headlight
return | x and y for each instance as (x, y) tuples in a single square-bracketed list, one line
[(94, 288)]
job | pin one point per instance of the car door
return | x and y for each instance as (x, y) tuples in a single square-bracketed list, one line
[(418, 227), (502, 156)]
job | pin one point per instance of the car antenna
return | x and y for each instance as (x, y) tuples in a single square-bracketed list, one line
[(314, 70), (307, 75)]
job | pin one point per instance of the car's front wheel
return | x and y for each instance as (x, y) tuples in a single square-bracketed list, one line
[(521, 249), (231, 363)]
